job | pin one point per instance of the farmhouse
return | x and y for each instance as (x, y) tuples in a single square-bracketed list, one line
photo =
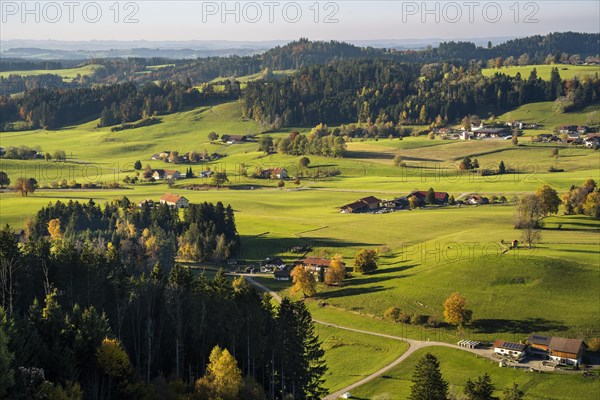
[(441, 198), (282, 275), (567, 351), (317, 265), (509, 349), (515, 124), (574, 139), (273, 263), (231, 139), (166, 174), (362, 205), (561, 350), (174, 200), (568, 129), (592, 141), (274, 173), (146, 203), (477, 199)]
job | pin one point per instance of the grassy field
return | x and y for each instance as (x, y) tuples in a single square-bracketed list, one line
[(458, 366), (542, 113), (68, 74), (279, 74), (351, 356), (566, 71)]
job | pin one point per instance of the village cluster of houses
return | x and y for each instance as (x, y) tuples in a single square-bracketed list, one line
[(166, 156), (274, 173), (374, 205), (479, 132), (172, 200), (557, 349), (236, 139), (173, 174), (577, 134)]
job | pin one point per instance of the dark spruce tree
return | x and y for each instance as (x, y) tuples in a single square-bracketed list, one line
[(481, 389), (430, 198), (428, 383), (501, 168), (298, 363)]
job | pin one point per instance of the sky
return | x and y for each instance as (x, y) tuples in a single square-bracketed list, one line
[(155, 20)]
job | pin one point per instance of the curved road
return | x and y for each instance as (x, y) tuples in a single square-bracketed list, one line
[(413, 345)]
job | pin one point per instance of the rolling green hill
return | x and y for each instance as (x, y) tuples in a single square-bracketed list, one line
[(566, 71)]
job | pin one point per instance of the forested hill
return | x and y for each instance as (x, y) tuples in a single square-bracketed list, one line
[(305, 52), (583, 44), (536, 47), (403, 93)]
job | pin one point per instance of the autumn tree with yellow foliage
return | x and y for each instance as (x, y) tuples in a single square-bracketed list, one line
[(114, 362), (54, 229), (304, 281), (336, 272), (456, 312), (223, 378)]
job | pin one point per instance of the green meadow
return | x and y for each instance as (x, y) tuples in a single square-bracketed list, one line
[(278, 74), (566, 71), (429, 253), (68, 74), (458, 366), (352, 356)]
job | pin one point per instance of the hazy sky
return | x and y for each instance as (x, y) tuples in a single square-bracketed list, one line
[(267, 20)]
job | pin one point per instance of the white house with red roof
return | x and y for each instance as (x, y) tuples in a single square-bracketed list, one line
[(174, 200)]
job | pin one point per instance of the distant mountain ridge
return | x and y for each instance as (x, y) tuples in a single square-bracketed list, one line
[(80, 50)]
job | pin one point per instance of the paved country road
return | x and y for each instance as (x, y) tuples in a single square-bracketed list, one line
[(414, 345)]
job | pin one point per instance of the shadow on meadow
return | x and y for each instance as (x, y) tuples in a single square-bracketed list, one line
[(369, 155), (522, 326), (579, 251), (349, 291), (365, 279), (258, 247), (585, 225), (392, 270)]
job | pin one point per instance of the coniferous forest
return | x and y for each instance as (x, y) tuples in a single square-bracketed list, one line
[(94, 306)]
